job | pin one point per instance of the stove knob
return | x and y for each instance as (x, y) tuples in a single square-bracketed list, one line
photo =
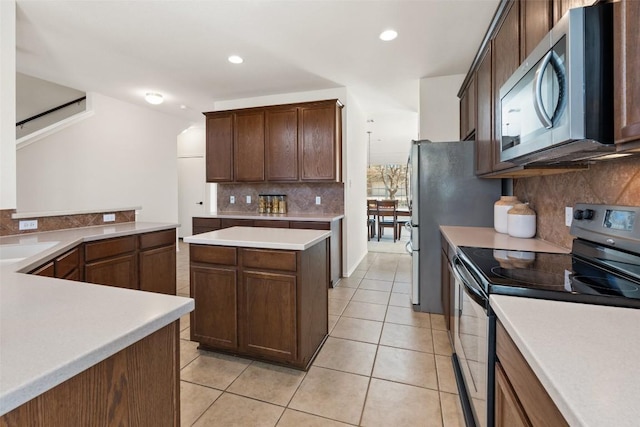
[(588, 214), (578, 214)]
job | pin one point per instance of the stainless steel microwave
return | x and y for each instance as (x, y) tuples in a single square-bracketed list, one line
[(558, 105)]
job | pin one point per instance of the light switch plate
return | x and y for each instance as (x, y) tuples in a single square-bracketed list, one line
[(248, 199), (31, 224), (318, 200), (232, 199), (108, 217), (568, 216)]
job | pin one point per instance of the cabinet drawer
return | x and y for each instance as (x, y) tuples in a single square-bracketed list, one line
[(213, 223), (272, 223), (213, 254), (269, 259), (46, 270), (158, 238), (310, 225), (109, 248), (66, 263)]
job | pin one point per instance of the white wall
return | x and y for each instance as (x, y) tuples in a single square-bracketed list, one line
[(124, 156), (7, 104), (354, 156), (440, 108)]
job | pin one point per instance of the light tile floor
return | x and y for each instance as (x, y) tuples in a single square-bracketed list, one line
[(382, 365)]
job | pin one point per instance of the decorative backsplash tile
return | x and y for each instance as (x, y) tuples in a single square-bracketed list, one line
[(615, 182), (9, 226), (300, 197)]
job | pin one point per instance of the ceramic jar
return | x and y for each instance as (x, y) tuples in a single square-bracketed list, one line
[(521, 221), (500, 209)]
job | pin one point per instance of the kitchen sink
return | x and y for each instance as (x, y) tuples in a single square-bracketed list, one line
[(17, 252)]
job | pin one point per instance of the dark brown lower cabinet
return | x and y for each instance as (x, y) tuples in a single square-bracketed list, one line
[(137, 386), (145, 261), (215, 323), (267, 304), (521, 400), (157, 262), (112, 262), (120, 271), (268, 332), (509, 412), (46, 270)]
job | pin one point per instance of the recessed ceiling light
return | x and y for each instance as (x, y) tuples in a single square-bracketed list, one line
[(183, 107), (388, 35), (153, 98), (235, 59)]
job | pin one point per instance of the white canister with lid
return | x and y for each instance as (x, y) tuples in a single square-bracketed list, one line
[(521, 221), (500, 209)]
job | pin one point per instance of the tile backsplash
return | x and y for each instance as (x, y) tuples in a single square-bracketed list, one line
[(614, 182), (300, 197), (9, 226)]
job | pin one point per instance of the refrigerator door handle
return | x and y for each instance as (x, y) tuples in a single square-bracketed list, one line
[(408, 248)]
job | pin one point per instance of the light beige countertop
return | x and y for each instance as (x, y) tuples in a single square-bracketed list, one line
[(53, 329), (266, 238), (277, 217), (586, 356), (487, 237)]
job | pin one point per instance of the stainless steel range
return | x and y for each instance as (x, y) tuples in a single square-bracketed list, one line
[(602, 268)]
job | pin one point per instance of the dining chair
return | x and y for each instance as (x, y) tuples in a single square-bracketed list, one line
[(404, 216), (387, 217), (372, 210)]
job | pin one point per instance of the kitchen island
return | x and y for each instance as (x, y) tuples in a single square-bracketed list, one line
[(311, 221), (261, 293), (75, 353)]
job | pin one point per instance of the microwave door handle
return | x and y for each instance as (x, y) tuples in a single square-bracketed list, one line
[(537, 89)]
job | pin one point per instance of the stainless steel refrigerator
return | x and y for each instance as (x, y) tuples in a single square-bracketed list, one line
[(443, 191)]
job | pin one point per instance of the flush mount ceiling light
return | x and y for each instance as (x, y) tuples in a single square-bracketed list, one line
[(235, 59), (153, 98), (388, 35)]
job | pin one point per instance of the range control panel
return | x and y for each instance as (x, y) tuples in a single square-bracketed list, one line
[(617, 226)]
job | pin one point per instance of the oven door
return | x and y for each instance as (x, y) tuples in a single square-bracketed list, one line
[(474, 344)]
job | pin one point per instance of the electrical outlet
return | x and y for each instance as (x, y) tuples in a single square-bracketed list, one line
[(109, 217), (232, 199), (318, 200), (31, 224), (568, 216), (248, 199)]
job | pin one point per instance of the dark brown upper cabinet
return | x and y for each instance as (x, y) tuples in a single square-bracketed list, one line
[(535, 23), (468, 111), (484, 124), (320, 129), (506, 59), (219, 147), (248, 146), (283, 143), (627, 79)]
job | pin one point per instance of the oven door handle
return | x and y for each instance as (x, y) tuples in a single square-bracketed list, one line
[(470, 286)]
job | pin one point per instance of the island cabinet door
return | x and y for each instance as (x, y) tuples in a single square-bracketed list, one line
[(269, 313), (214, 322)]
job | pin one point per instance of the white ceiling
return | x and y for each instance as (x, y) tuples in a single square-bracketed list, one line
[(179, 48)]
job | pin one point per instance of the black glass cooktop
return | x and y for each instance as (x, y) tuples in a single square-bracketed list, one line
[(549, 276)]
